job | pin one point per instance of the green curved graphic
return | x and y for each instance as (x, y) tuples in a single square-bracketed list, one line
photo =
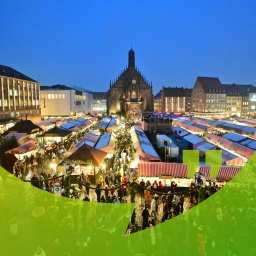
[(34, 222)]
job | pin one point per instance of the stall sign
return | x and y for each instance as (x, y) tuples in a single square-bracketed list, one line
[(57, 190), (200, 179)]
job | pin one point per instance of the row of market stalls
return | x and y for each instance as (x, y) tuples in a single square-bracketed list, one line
[(143, 147), (31, 136), (179, 170), (241, 126), (27, 145), (109, 123)]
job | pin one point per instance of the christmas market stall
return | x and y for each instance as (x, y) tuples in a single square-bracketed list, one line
[(85, 159)]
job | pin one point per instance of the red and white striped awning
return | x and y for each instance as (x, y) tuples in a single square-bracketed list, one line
[(224, 173), (181, 170), (161, 168)]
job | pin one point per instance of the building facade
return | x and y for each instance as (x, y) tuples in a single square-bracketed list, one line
[(61, 100), (234, 99), (208, 97), (19, 95), (176, 100), (130, 92), (99, 105), (158, 102)]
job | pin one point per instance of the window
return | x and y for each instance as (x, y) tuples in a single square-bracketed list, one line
[(133, 95)]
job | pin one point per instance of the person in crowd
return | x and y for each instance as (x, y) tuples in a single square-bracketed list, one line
[(182, 199), (111, 179), (103, 199), (112, 191), (98, 192), (100, 181), (119, 176), (153, 208), (120, 194), (173, 187), (81, 180), (155, 186), (35, 181), (124, 193), (148, 192), (145, 215), (160, 186), (148, 184), (142, 187), (107, 180), (87, 186), (86, 198), (106, 191), (116, 200)]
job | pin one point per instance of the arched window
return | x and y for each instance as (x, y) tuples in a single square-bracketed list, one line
[(133, 95)]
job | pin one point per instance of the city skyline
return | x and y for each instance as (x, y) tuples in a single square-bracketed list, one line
[(86, 45)]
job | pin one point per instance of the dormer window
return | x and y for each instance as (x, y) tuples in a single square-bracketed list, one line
[(210, 90), (213, 90)]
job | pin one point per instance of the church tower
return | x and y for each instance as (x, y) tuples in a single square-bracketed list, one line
[(131, 59), (130, 92)]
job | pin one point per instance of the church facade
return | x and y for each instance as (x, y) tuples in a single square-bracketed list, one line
[(130, 91)]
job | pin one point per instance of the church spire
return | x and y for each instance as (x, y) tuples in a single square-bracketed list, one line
[(131, 58)]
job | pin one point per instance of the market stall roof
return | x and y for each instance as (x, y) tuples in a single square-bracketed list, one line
[(55, 132), (161, 168), (19, 136), (232, 160), (234, 137), (85, 154), (25, 147), (249, 143), (106, 143), (143, 146), (104, 122), (69, 125), (192, 138), (25, 126), (203, 127), (189, 127), (224, 172), (204, 145), (182, 131)]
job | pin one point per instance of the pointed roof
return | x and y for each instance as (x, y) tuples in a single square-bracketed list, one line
[(209, 83), (177, 92), (25, 126), (158, 95), (56, 132), (86, 154), (10, 72)]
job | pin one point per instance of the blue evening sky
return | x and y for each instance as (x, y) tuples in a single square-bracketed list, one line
[(86, 43)]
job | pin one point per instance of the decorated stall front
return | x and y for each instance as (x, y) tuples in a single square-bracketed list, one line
[(85, 159)]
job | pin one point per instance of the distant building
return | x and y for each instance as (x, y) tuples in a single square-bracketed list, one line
[(248, 93), (176, 100), (233, 100), (208, 97), (99, 104), (158, 101), (19, 95), (61, 100), (130, 91)]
